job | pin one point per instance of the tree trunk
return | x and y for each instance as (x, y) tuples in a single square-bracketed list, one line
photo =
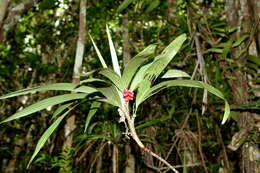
[(130, 160), (3, 9), (10, 17), (115, 164), (70, 123), (172, 4), (254, 9), (240, 13), (126, 54)]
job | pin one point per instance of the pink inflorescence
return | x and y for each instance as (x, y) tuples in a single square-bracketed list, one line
[(128, 95)]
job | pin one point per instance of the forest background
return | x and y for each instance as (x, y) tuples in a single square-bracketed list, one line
[(40, 40)]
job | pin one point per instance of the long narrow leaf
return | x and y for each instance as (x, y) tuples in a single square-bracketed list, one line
[(143, 92), (161, 61), (85, 89), (112, 95), (91, 80), (124, 5), (93, 109), (152, 6), (139, 77), (43, 104), (101, 59), (135, 63), (191, 83), (46, 136), (175, 73), (114, 78), (60, 110), (113, 53), (57, 86)]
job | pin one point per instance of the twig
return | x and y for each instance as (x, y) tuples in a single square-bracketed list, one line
[(223, 146), (84, 153), (100, 151), (154, 168), (187, 165), (182, 127), (202, 71), (200, 148)]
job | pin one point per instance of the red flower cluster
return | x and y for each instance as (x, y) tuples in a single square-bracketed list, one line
[(128, 95)]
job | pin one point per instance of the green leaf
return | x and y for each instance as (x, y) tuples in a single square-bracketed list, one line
[(101, 59), (113, 53), (220, 29), (161, 61), (114, 78), (112, 95), (234, 115), (60, 110), (240, 40), (139, 77), (143, 92), (151, 123), (91, 80), (57, 86), (175, 73), (132, 66), (93, 109), (124, 5), (46, 136), (153, 4), (253, 67), (255, 90), (227, 48), (254, 59), (232, 28), (43, 104), (241, 52), (88, 73), (85, 89), (192, 83), (215, 50)]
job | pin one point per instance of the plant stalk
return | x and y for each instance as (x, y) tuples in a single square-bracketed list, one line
[(130, 123)]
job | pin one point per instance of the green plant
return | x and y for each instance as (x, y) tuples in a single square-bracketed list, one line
[(138, 76), (63, 161)]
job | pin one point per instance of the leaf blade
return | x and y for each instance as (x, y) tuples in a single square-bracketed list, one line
[(100, 57), (60, 110), (112, 95), (124, 5), (113, 77), (143, 92), (172, 73), (46, 135), (162, 60), (43, 104), (93, 109), (196, 84), (135, 63), (139, 77), (113, 53), (57, 86)]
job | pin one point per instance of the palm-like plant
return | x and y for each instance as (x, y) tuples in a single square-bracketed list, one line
[(137, 77)]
